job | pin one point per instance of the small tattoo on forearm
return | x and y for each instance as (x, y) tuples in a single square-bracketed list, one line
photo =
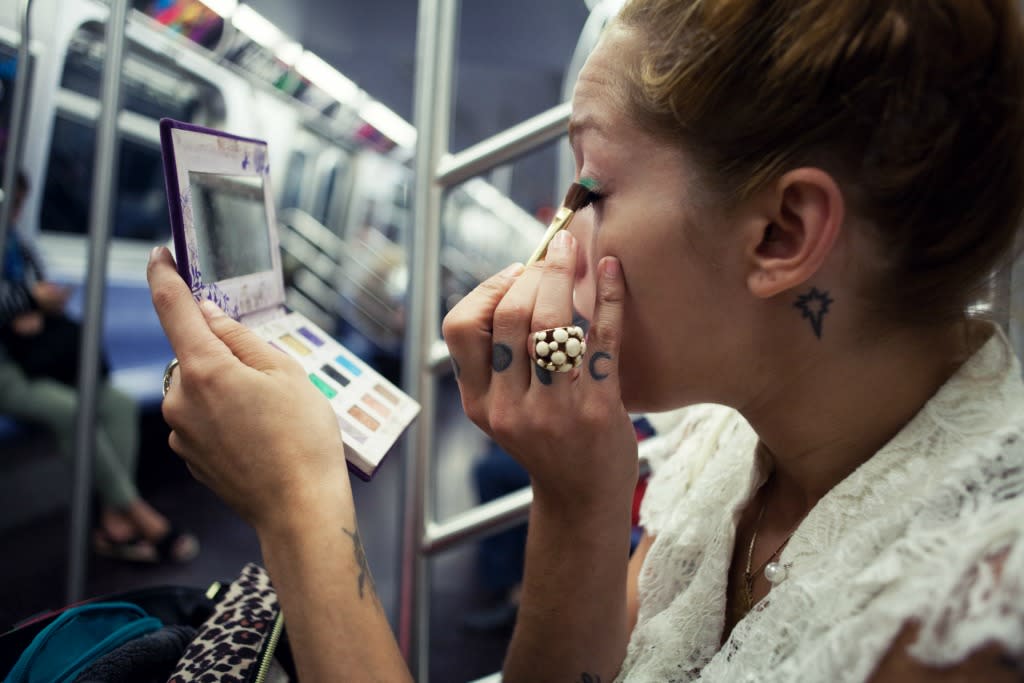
[(501, 357), (543, 374), (589, 678), (814, 305), (364, 565), (600, 355)]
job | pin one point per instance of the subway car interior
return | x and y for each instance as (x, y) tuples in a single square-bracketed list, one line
[(331, 87), (417, 148)]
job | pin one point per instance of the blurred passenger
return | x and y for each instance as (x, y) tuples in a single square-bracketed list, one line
[(39, 346), (500, 556), (798, 202)]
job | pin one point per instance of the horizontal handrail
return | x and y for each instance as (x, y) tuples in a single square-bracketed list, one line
[(439, 360), (505, 146), (482, 520)]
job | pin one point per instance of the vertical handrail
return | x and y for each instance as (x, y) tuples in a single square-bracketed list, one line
[(19, 101), (100, 215), (413, 637)]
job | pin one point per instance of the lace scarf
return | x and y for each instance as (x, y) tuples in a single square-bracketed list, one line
[(930, 528)]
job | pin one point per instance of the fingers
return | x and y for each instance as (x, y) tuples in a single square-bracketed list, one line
[(510, 373), (243, 343), (605, 336), (184, 325), (554, 306), (467, 331)]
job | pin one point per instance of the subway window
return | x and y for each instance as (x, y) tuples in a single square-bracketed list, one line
[(141, 209)]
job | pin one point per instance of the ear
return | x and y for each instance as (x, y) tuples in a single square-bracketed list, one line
[(804, 212)]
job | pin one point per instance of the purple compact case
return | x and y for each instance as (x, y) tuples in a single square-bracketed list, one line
[(222, 218), (227, 250)]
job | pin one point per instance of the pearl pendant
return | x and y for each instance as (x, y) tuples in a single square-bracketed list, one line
[(775, 572)]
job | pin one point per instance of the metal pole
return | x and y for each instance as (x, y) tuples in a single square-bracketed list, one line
[(103, 188), (12, 161), (479, 522), (435, 54), (505, 146), (415, 384)]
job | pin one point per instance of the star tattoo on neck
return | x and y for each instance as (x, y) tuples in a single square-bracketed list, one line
[(814, 305)]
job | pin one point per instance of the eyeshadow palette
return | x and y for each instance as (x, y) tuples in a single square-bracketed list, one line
[(227, 250)]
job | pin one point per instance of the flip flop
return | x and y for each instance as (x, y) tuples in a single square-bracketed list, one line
[(132, 549), (176, 547)]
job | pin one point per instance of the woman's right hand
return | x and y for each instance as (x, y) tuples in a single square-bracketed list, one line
[(569, 430), (245, 416)]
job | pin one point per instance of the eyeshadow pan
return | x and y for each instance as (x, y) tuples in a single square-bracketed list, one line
[(305, 332), (364, 418), (335, 375), (347, 364), (380, 389), (375, 404), (295, 345), (350, 430), (323, 386)]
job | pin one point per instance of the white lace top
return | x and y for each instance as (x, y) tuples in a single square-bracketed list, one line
[(930, 528)]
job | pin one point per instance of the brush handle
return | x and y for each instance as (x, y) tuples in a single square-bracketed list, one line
[(560, 222)]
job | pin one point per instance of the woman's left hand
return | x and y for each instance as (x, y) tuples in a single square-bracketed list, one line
[(569, 430), (245, 416)]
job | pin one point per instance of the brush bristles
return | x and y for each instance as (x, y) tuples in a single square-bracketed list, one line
[(578, 197)]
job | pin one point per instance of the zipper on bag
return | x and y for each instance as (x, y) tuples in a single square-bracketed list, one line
[(268, 652)]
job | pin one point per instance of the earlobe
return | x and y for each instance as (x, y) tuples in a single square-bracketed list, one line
[(803, 215)]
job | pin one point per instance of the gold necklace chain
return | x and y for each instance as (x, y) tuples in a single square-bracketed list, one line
[(748, 576)]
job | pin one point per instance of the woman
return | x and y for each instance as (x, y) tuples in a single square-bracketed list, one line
[(798, 201), (38, 368)]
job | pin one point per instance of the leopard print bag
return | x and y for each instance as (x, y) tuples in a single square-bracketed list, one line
[(240, 642)]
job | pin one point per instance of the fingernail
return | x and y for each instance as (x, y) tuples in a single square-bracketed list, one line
[(612, 268), (562, 241), (512, 271), (210, 309), (153, 254)]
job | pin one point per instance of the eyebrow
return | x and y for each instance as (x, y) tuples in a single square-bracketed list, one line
[(577, 125)]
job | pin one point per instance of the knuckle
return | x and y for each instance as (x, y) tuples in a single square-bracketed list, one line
[(611, 292), (558, 266), (163, 298), (511, 314), (453, 325), (476, 414)]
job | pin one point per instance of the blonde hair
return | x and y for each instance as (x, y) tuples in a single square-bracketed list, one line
[(916, 106)]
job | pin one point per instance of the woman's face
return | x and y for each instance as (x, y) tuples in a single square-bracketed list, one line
[(683, 279)]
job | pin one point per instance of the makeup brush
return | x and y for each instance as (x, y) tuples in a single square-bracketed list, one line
[(579, 196)]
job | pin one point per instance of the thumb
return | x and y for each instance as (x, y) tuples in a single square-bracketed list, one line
[(605, 336), (243, 342)]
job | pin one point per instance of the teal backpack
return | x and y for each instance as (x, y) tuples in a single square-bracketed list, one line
[(78, 637)]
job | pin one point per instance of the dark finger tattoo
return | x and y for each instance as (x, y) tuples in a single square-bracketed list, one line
[(543, 374), (814, 305), (589, 678), (579, 321), (501, 357), (600, 355)]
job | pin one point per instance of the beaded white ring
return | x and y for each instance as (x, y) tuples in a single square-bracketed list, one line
[(168, 371), (559, 349)]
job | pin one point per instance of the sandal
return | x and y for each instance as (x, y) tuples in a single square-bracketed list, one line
[(176, 547), (132, 549)]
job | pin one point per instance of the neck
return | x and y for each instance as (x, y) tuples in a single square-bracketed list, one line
[(843, 402)]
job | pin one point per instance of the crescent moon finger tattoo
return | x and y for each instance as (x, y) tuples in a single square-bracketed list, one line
[(600, 355)]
